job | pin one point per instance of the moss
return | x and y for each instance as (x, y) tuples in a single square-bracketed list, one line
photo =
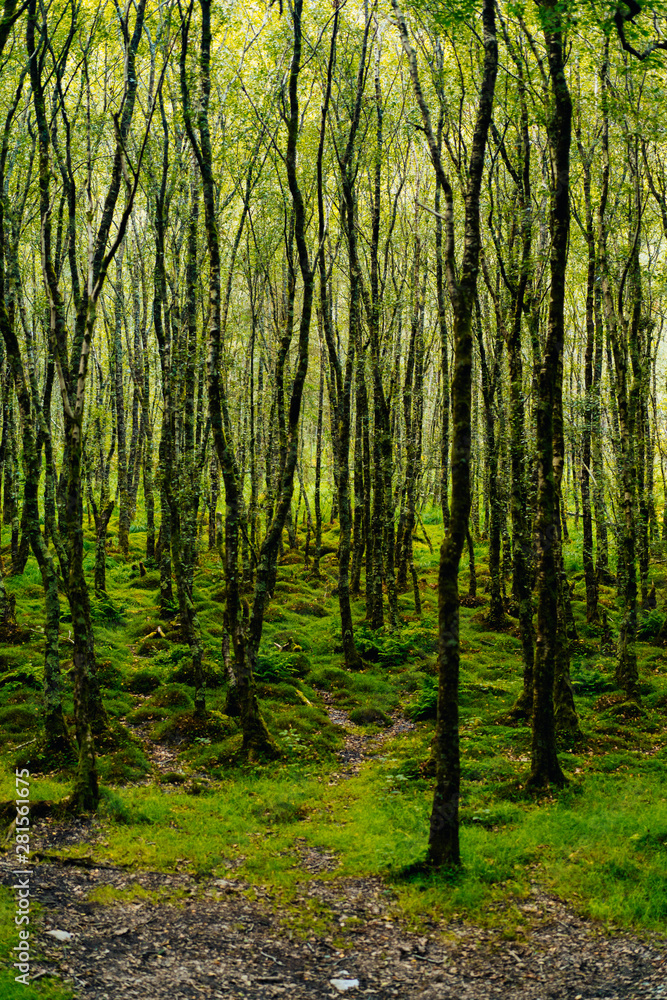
[(172, 696), (274, 614), (174, 778), (143, 682), (109, 675), (16, 719), (125, 765), (184, 674), (312, 608), (331, 678), (219, 726), (149, 582), (152, 644), (148, 713), (369, 715), (292, 640), (291, 559), (20, 678)]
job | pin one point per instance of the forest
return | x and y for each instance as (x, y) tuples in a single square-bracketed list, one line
[(333, 499)]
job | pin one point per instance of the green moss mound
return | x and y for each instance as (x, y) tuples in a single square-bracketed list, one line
[(143, 682), (369, 716)]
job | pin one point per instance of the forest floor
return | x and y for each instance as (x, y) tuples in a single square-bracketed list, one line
[(223, 938), (204, 875)]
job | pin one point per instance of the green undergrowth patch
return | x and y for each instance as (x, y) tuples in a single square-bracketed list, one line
[(371, 688), (110, 895)]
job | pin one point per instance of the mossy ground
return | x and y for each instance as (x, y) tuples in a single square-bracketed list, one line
[(601, 843)]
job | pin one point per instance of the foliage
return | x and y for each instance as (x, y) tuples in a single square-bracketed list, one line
[(393, 646), (274, 665), (426, 705), (143, 682), (106, 610), (650, 625), (590, 680)]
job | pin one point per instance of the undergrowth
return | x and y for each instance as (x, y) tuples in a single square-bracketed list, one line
[(601, 844)]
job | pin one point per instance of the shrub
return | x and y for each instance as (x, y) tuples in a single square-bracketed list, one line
[(650, 625), (152, 644), (311, 608), (19, 679), (219, 725), (274, 666), (426, 705), (331, 679), (108, 675), (16, 719), (394, 647), (590, 680), (184, 673), (105, 611), (128, 764), (149, 582), (148, 713)]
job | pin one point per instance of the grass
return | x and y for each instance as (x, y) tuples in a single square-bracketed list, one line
[(601, 843)]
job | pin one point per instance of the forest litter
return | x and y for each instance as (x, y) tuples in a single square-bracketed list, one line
[(232, 942)]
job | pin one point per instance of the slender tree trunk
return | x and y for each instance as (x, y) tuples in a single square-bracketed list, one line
[(545, 766), (444, 828)]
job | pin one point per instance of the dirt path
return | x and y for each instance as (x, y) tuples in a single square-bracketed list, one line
[(164, 758), (359, 746)]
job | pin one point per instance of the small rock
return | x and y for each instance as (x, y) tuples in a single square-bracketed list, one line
[(344, 984), (61, 935)]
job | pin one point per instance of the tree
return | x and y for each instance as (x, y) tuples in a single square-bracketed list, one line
[(444, 827)]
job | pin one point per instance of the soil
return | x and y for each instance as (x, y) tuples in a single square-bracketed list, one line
[(222, 938)]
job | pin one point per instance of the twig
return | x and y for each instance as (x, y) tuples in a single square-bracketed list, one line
[(25, 744), (277, 962)]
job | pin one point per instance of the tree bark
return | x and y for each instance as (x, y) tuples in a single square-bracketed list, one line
[(443, 847)]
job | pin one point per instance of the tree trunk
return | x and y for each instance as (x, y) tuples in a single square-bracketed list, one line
[(443, 847), (545, 766)]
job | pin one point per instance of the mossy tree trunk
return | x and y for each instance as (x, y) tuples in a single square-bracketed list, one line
[(590, 574), (545, 766), (490, 371), (624, 336), (413, 413), (34, 429), (443, 849), (181, 477), (445, 402), (522, 284), (317, 496), (380, 543), (341, 378), (72, 361), (256, 738)]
